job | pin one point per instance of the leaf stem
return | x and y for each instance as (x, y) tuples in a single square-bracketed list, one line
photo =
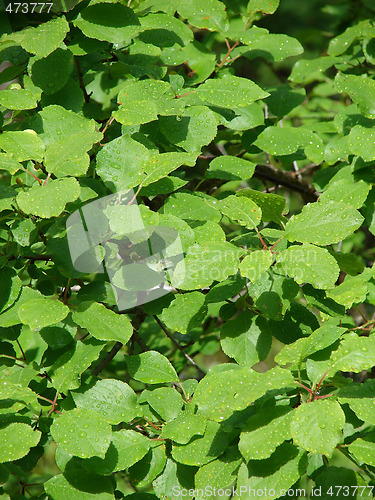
[(230, 50)]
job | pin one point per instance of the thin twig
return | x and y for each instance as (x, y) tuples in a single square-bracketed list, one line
[(230, 50), (32, 175), (81, 82), (108, 124), (52, 409), (296, 169), (321, 380), (47, 179), (112, 353), (261, 239), (179, 347), (22, 351)]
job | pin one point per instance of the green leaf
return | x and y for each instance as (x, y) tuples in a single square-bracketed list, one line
[(241, 118), (38, 313), (8, 163), (56, 124), (163, 186), (196, 127), (310, 264), (49, 200), (207, 231), (160, 165), (113, 399), (242, 210), (183, 428), (185, 232), (52, 72), (66, 370), (299, 350), (135, 112), (103, 323), (16, 440), (10, 316), (317, 426), (201, 61), (323, 223), (185, 312), (7, 194), (22, 145), (360, 397), (352, 290), (19, 98), (277, 473), (60, 487), (112, 22), (226, 289), (45, 38), (196, 270), (363, 450), (265, 6), (10, 289), (205, 14), (230, 168), (318, 299), (164, 30), (347, 191), (230, 92), (361, 89), (329, 476), (361, 143), (283, 140), (220, 472), (342, 42), (202, 449), (264, 432), (255, 264), (172, 476), (120, 162), (354, 354), (308, 70), (273, 206), (82, 432), (187, 206), (220, 394), (273, 47), (67, 137), (151, 367), (151, 466), (166, 401), (157, 95), (24, 396), (246, 339), (127, 448), (283, 99)]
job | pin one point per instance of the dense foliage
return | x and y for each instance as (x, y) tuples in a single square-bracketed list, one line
[(255, 371)]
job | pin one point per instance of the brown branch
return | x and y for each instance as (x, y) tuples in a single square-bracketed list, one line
[(179, 347), (286, 179), (37, 257), (81, 82), (112, 353)]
